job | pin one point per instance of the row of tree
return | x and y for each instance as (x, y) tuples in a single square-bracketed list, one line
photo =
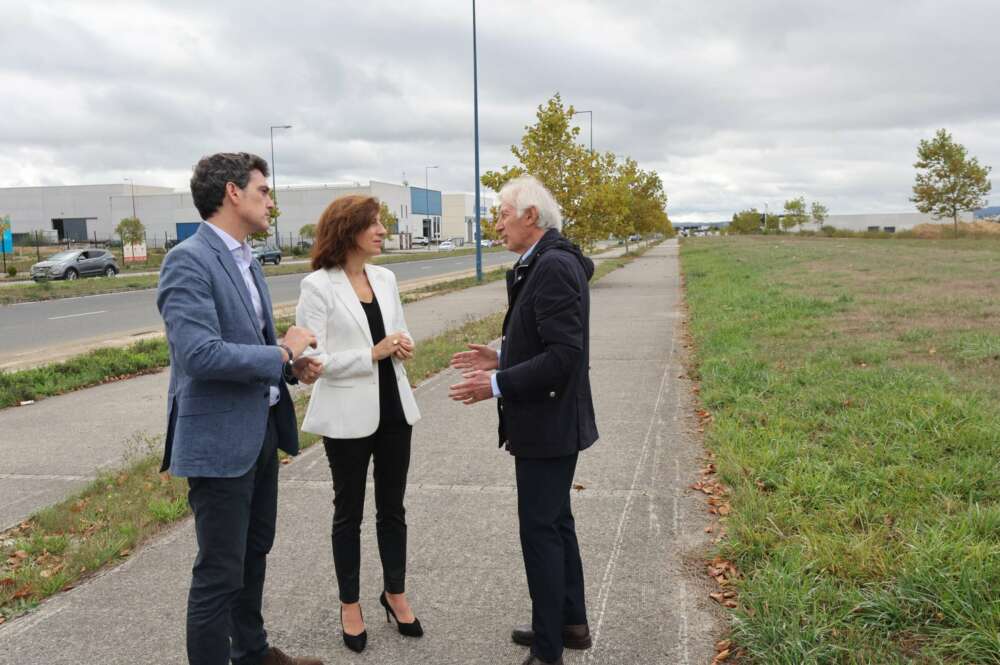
[(795, 215), (600, 194)]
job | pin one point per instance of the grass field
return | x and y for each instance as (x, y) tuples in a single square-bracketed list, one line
[(853, 391)]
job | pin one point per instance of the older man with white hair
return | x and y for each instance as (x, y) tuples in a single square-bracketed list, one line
[(540, 380)]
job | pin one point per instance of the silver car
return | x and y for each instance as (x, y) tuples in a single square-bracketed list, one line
[(76, 263)]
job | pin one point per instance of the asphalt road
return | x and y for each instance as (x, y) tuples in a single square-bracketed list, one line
[(33, 326)]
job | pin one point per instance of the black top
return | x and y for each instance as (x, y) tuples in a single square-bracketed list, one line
[(390, 407)]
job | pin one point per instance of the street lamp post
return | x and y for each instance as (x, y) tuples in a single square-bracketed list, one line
[(591, 127), (475, 106), (132, 188), (427, 198), (274, 181)]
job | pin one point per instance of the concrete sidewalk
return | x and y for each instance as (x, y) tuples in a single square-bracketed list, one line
[(42, 465), (641, 530)]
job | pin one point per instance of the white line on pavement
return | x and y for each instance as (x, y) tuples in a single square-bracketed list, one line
[(609, 570), (73, 316)]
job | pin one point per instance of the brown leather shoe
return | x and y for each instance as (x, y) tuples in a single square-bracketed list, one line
[(277, 657), (574, 637), (535, 660)]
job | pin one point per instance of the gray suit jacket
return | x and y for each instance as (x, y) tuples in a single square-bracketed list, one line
[(221, 363)]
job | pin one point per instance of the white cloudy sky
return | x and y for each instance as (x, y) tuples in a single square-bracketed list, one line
[(734, 103)]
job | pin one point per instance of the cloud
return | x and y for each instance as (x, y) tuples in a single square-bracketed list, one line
[(734, 104)]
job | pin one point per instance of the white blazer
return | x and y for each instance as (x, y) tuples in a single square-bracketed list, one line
[(345, 403)]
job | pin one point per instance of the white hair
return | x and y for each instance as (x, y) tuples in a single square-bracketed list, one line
[(527, 191)]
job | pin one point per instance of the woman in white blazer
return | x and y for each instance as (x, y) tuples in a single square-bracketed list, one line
[(362, 404)]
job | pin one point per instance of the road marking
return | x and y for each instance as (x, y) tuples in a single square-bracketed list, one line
[(73, 316), (609, 570)]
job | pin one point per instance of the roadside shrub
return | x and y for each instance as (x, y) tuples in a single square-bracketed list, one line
[(12, 271)]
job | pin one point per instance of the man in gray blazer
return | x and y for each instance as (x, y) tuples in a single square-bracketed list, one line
[(229, 409)]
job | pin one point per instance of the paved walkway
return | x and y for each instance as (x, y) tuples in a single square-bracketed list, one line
[(641, 530), (96, 428)]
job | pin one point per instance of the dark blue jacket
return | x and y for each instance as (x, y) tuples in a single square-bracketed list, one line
[(546, 409)]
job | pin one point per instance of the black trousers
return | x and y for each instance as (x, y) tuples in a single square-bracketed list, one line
[(550, 549), (389, 446), (234, 522)]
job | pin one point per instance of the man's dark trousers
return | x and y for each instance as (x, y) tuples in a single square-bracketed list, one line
[(234, 522), (550, 549)]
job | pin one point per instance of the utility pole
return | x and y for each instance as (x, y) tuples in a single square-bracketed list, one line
[(274, 181), (475, 106)]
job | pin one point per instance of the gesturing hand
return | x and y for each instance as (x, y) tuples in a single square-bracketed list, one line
[(474, 388), (481, 357), (398, 344), (307, 370)]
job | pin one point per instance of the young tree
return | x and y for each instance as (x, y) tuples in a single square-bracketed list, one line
[(747, 221), (131, 231), (307, 232), (795, 213), (550, 152), (389, 220), (948, 182), (819, 213)]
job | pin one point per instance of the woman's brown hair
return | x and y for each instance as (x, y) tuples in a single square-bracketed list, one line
[(338, 227)]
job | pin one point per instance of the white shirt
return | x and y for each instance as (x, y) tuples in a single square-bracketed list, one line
[(243, 256), (493, 376)]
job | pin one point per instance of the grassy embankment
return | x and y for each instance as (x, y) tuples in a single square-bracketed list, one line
[(101, 525), (854, 397), (53, 290)]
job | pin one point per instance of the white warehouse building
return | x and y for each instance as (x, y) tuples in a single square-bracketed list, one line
[(91, 212)]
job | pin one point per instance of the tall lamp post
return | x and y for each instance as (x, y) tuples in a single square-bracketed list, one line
[(427, 198), (274, 181), (591, 127), (475, 107), (132, 189)]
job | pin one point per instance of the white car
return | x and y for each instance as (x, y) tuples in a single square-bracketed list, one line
[(446, 245), (486, 242)]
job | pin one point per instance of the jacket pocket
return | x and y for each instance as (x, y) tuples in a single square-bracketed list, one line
[(199, 406)]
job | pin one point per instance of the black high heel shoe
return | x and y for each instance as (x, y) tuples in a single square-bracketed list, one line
[(409, 629), (355, 643)]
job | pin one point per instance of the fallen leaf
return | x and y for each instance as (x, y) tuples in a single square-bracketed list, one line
[(722, 645), (6, 582), (708, 529), (721, 656), (21, 554), (125, 552), (2, 620), (724, 509), (578, 487), (23, 592), (287, 460), (45, 574)]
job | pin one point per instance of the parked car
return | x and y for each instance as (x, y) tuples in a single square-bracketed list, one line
[(635, 237), (446, 246), (486, 242), (266, 255), (421, 241), (76, 263)]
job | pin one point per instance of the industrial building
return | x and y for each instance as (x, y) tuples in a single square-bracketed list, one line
[(91, 212), (459, 215)]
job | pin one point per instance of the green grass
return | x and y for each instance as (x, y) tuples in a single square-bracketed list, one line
[(861, 448), (89, 369)]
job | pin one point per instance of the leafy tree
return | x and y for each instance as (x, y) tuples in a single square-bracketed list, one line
[(598, 196), (549, 151), (819, 213), (389, 220), (131, 231), (948, 182), (795, 213), (307, 232), (746, 221)]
